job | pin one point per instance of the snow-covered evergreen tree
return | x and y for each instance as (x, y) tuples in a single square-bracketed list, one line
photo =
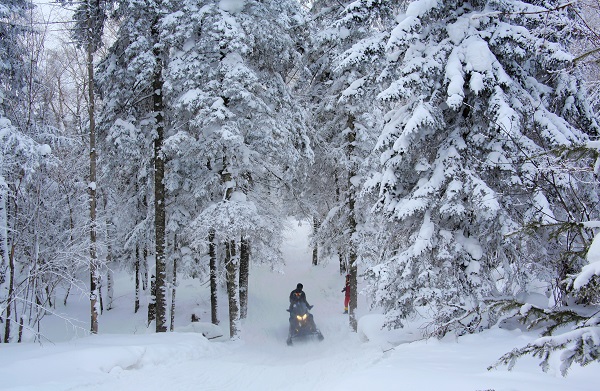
[(228, 76), (481, 91), (234, 136), (570, 328), (240, 136), (345, 58), (135, 119)]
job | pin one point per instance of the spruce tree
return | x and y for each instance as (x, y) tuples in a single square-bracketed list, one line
[(345, 58), (228, 79), (478, 91), (134, 118)]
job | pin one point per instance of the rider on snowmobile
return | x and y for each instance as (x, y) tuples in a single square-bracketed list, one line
[(302, 323), (297, 296)]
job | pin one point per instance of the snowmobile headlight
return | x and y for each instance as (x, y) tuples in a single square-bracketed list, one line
[(299, 317)]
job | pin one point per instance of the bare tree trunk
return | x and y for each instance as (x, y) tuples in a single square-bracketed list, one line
[(3, 237), (244, 275), (136, 306), (100, 299), (231, 265), (352, 256), (21, 321), (110, 286), (213, 277), (174, 283), (145, 263), (173, 292), (92, 187), (110, 277), (4, 257), (159, 186), (342, 259), (11, 268), (343, 265), (11, 293), (67, 294), (152, 303), (315, 254)]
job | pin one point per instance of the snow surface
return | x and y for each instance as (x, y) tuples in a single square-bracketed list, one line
[(126, 356), (233, 6)]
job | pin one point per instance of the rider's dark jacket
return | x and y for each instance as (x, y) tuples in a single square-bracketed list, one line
[(298, 295)]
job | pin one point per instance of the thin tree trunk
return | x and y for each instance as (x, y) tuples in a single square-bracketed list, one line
[(145, 263), (3, 238), (110, 277), (213, 277), (231, 266), (21, 321), (173, 292), (100, 298), (352, 256), (353, 292), (244, 275), (92, 187), (315, 254), (231, 263), (136, 306), (49, 296), (110, 286), (11, 293), (151, 302), (343, 265), (67, 294), (159, 186), (11, 267)]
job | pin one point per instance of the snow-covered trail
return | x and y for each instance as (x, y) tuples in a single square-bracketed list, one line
[(126, 356), (261, 360)]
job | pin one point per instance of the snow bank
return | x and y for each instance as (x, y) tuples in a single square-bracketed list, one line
[(94, 357)]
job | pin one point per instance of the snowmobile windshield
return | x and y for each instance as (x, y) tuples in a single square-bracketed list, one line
[(300, 308)]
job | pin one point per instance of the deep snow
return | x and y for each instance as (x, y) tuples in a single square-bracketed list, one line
[(127, 356)]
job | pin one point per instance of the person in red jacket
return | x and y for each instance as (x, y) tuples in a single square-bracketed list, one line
[(347, 290)]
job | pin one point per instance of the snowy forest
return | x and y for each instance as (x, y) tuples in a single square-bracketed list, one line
[(446, 153)]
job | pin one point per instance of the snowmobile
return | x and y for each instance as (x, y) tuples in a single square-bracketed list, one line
[(302, 324)]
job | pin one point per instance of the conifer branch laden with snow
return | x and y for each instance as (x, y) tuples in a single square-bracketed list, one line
[(579, 345), (466, 173)]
